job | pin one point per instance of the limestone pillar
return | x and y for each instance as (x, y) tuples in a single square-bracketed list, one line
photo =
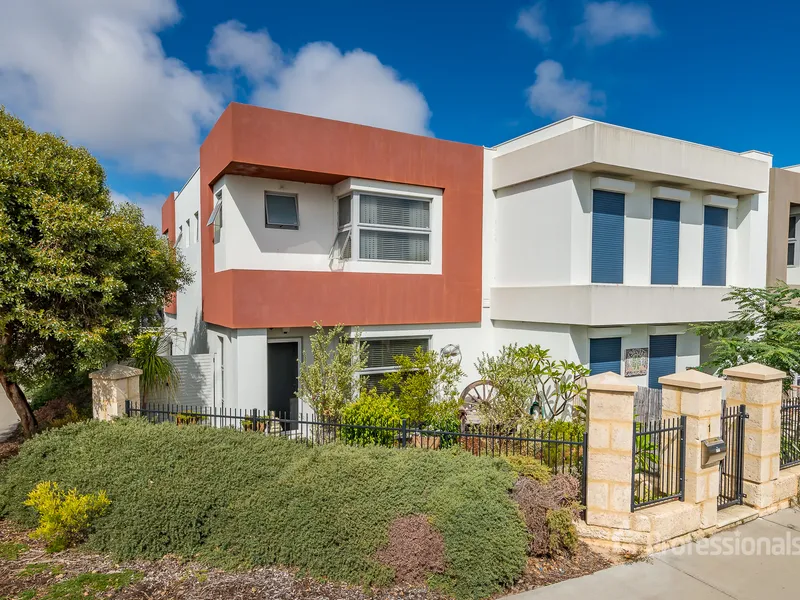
[(111, 387), (698, 396), (760, 389), (610, 461)]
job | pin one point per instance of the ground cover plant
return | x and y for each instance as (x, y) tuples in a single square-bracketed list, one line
[(243, 499)]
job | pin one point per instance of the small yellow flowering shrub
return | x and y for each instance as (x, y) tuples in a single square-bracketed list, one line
[(64, 517)]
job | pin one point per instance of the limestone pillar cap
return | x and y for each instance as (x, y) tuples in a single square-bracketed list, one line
[(755, 371), (692, 379), (610, 382), (117, 371)]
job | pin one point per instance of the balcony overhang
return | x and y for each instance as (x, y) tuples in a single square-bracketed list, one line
[(612, 150), (604, 305)]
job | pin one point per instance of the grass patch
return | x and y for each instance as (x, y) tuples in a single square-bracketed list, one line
[(241, 500), (12, 550), (34, 569), (90, 585)]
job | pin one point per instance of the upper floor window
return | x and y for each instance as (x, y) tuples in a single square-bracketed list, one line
[(608, 236), (388, 228), (281, 210), (791, 259), (665, 242), (715, 245)]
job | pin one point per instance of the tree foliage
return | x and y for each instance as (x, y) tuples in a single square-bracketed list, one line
[(423, 383), (78, 273), (528, 380), (330, 379), (764, 327)]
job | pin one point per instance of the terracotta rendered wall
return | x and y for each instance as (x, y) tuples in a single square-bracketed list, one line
[(168, 227), (268, 143)]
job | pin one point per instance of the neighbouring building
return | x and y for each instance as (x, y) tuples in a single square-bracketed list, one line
[(783, 256), (598, 242)]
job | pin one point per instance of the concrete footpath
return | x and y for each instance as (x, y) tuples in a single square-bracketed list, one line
[(758, 560)]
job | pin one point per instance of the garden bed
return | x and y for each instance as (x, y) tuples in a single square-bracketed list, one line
[(274, 512), (32, 571)]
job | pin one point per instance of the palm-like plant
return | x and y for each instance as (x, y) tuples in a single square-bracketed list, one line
[(148, 352)]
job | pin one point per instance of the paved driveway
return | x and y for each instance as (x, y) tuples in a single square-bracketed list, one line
[(709, 569)]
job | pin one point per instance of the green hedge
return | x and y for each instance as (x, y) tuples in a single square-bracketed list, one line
[(242, 499)]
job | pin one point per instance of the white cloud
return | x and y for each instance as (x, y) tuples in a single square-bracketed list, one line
[(604, 22), (531, 21), (323, 81), (253, 53), (150, 205), (552, 95), (96, 72)]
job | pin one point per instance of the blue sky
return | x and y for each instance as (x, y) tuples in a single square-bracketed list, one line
[(139, 82)]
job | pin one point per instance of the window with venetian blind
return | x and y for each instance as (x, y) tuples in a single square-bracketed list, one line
[(387, 228), (381, 353)]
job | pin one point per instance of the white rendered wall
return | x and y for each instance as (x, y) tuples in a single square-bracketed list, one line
[(572, 343), (544, 133), (191, 337), (247, 243), (532, 232), (543, 235)]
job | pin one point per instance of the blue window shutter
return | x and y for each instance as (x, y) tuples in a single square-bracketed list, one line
[(662, 358), (715, 245), (605, 354), (666, 237), (608, 236)]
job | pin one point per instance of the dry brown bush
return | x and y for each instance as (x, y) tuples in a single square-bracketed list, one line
[(540, 503), (415, 549)]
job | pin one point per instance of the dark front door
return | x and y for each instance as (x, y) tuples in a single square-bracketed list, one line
[(281, 377)]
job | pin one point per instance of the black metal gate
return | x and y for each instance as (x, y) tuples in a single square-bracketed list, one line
[(731, 470)]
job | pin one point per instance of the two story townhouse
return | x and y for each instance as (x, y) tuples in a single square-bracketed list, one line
[(609, 242), (598, 242)]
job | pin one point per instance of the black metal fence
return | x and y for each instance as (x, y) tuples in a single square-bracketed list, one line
[(562, 452), (659, 462), (790, 431), (731, 470)]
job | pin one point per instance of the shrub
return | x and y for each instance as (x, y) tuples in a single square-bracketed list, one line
[(64, 517), (561, 527), (549, 510), (529, 381), (444, 416), (329, 380), (424, 381), (242, 500), (148, 352), (375, 410), (529, 466)]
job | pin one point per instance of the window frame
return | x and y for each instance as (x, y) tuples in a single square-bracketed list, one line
[(793, 241), (340, 229), (269, 225), (356, 226)]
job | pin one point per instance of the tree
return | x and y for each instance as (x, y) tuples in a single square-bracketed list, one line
[(330, 380), (78, 273), (764, 328)]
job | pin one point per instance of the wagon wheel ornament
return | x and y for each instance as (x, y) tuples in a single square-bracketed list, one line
[(474, 395)]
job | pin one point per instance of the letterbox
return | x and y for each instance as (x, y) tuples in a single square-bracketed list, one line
[(714, 451)]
